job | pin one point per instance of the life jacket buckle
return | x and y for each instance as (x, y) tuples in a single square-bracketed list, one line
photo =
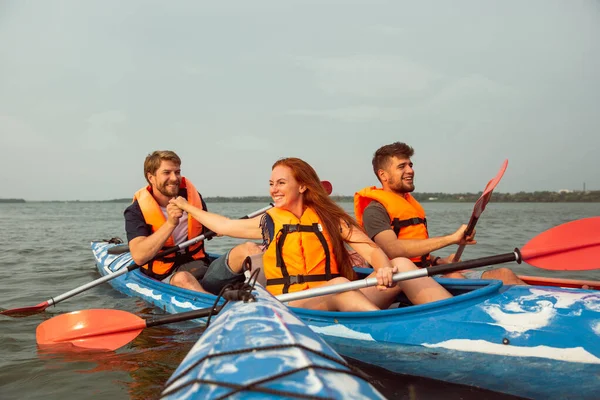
[(292, 228), (294, 279)]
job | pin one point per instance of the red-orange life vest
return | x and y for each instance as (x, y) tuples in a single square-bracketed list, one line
[(300, 255), (407, 217), (161, 267)]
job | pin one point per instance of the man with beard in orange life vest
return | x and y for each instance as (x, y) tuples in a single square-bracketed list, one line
[(396, 221), (152, 225)]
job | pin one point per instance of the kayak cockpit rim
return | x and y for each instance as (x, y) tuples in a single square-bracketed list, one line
[(482, 289)]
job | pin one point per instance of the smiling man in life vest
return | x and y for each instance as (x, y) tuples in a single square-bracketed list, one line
[(396, 221), (152, 224)]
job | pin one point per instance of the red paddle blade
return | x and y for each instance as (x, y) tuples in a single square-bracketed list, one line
[(487, 192), (91, 329), (26, 311), (560, 282), (574, 246), (327, 186)]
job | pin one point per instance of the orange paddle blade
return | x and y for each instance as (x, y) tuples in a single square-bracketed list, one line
[(573, 246), (26, 311), (560, 282), (91, 329)]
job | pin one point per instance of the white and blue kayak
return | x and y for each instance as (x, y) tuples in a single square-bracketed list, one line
[(529, 341), (260, 349)]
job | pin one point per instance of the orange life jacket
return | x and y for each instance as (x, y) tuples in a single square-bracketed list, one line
[(300, 255), (407, 217), (160, 268)]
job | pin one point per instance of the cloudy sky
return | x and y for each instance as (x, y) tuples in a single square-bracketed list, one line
[(89, 88)]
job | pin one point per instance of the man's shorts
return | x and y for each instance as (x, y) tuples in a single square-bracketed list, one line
[(213, 274)]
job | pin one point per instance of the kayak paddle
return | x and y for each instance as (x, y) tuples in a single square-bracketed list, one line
[(572, 246), (102, 329), (480, 206), (25, 311)]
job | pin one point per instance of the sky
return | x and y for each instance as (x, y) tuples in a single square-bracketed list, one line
[(89, 88)]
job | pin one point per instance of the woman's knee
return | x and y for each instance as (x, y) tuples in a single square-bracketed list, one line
[(404, 264), (239, 253), (337, 281), (246, 249)]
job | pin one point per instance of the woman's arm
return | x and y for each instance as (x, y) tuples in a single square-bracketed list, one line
[(372, 253), (238, 228)]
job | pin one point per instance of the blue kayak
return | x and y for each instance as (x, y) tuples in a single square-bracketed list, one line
[(259, 349), (529, 341)]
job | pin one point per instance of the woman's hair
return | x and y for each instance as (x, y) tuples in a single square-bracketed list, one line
[(328, 211)]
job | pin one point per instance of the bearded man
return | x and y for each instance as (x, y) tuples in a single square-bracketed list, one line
[(396, 221)]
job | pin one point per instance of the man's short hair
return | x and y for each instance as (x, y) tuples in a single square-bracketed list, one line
[(384, 154), (152, 162)]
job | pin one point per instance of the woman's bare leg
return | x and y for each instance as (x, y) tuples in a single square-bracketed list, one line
[(421, 290), (238, 254), (418, 291), (352, 300)]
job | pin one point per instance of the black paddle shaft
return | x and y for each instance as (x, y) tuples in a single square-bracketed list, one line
[(185, 316), (480, 262)]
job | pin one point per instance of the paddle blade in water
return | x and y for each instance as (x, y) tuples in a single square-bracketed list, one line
[(574, 246), (91, 329), (26, 311)]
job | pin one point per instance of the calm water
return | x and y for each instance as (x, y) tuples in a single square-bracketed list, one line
[(44, 252)]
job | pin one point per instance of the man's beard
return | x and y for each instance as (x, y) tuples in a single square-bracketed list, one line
[(165, 190), (402, 187)]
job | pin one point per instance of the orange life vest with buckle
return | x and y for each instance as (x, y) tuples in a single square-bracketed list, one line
[(407, 217), (300, 254), (161, 267)]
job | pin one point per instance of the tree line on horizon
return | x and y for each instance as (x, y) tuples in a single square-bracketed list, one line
[(520, 197)]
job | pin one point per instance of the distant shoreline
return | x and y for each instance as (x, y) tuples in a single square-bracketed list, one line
[(592, 196), (12, 200)]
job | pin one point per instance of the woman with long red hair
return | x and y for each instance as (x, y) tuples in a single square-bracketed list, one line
[(305, 236)]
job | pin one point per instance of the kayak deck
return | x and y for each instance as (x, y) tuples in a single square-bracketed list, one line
[(260, 350)]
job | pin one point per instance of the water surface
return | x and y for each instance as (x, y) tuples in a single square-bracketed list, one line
[(44, 252)]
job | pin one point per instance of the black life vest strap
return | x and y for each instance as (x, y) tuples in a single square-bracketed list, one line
[(176, 258), (294, 279), (281, 235), (425, 261), (398, 224)]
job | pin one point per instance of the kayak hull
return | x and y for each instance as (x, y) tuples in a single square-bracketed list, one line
[(259, 350), (530, 341)]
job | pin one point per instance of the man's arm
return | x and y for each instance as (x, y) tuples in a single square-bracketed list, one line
[(144, 244), (409, 248), (377, 224)]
